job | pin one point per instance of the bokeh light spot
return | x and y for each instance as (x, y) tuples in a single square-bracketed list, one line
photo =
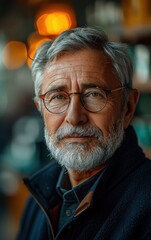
[(14, 54), (53, 23), (54, 19)]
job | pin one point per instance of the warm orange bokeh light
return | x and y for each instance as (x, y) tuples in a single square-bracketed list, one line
[(14, 54), (55, 19), (34, 41), (53, 23)]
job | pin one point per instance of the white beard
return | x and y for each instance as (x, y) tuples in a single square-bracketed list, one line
[(83, 157)]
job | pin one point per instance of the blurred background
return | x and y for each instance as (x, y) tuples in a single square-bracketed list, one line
[(24, 25)]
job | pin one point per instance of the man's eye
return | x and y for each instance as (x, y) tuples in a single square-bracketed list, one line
[(59, 97), (93, 94)]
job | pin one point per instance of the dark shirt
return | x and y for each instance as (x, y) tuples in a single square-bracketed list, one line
[(72, 196)]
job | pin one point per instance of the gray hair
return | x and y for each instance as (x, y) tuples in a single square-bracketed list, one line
[(83, 38)]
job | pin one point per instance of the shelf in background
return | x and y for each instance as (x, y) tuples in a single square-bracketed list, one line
[(132, 35), (135, 35)]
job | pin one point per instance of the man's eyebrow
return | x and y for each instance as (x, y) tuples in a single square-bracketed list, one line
[(93, 85), (56, 87), (60, 86)]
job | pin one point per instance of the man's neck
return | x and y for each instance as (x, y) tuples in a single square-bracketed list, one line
[(77, 177)]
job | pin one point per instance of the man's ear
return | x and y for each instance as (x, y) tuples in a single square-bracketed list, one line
[(130, 107)]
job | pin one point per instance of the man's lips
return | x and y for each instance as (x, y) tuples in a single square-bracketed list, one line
[(75, 135), (77, 138)]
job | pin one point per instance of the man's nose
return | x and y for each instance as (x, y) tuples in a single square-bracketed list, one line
[(76, 114)]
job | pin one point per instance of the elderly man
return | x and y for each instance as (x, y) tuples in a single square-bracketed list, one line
[(99, 185)]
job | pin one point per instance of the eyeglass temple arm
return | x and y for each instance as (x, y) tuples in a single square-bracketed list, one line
[(117, 89)]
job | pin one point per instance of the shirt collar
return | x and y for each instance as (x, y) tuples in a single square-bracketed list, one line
[(77, 193)]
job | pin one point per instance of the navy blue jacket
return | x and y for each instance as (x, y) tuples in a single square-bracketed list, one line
[(118, 209)]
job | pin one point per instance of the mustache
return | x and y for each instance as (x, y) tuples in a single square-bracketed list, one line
[(90, 131)]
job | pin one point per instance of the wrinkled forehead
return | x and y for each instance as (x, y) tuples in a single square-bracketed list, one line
[(85, 66)]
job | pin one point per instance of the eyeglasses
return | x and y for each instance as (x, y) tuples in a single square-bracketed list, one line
[(92, 99)]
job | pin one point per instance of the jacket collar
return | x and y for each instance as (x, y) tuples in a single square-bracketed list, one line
[(42, 185)]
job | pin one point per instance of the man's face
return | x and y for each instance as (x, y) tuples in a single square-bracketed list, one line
[(78, 134)]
